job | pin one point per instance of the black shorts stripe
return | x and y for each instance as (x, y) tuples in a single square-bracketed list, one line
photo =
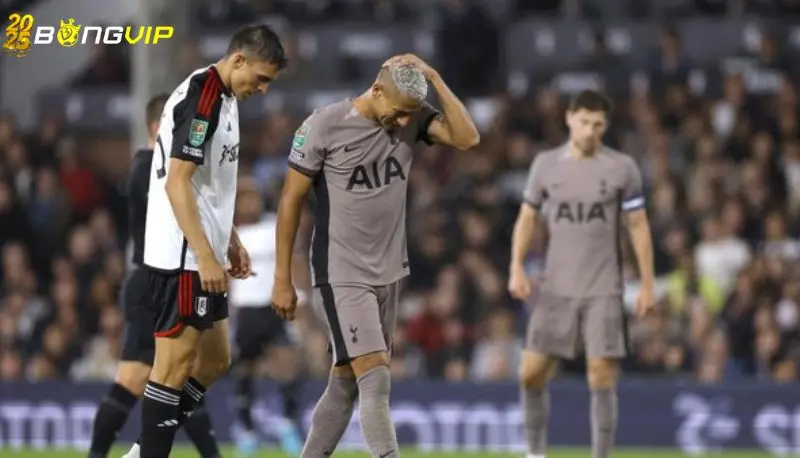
[(184, 249), (625, 334), (329, 304), (321, 242)]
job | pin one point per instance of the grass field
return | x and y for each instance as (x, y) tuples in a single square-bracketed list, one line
[(560, 453)]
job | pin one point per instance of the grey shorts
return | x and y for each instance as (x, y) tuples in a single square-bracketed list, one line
[(559, 325), (361, 319)]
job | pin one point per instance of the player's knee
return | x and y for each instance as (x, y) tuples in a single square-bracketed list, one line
[(133, 376), (174, 360), (364, 363), (602, 374), (535, 371), (342, 371), (213, 365), (172, 371), (533, 378), (222, 365)]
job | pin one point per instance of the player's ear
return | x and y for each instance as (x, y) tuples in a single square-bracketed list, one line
[(238, 59), (376, 90)]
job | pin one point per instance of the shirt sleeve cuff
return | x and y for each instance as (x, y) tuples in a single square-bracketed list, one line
[(307, 172)]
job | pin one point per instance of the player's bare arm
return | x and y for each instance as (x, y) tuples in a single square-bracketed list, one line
[(533, 196), (518, 283), (454, 127), (295, 189), (639, 228), (240, 265), (182, 200)]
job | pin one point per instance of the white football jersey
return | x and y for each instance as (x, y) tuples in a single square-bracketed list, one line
[(259, 240), (200, 124)]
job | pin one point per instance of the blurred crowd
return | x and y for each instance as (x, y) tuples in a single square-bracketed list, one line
[(722, 173), (215, 11)]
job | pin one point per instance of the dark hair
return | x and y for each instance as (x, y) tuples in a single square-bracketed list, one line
[(154, 108), (260, 41), (591, 101)]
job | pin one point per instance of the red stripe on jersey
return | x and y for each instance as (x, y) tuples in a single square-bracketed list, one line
[(208, 96)]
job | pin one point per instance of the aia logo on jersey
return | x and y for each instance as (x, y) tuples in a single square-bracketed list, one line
[(579, 213), (231, 153), (375, 175)]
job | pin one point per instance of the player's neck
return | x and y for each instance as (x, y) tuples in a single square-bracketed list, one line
[(224, 71), (578, 153), (363, 106), (151, 142)]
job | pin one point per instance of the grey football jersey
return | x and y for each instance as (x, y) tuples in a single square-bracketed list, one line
[(360, 184), (583, 203)]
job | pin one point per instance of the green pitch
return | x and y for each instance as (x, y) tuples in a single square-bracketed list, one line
[(185, 452)]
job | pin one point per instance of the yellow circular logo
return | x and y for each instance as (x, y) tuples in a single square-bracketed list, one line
[(68, 33)]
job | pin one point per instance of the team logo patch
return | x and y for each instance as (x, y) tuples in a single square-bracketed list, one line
[(201, 306), (197, 132), (300, 136)]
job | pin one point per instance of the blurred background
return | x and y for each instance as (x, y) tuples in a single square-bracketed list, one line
[(706, 98)]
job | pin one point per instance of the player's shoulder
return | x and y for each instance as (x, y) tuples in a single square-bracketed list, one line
[(548, 156), (330, 114), (318, 123), (192, 83), (617, 157)]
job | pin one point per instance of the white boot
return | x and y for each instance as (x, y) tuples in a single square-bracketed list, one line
[(133, 452)]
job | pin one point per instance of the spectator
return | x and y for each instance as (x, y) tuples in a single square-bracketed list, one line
[(720, 255), (499, 351), (79, 182)]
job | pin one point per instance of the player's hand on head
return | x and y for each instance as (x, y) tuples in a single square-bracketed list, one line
[(519, 285), (284, 299), (412, 60), (213, 278)]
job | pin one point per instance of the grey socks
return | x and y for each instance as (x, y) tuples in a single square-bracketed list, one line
[(331, 417), (373, 409), (604, 422), (536, 411)]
